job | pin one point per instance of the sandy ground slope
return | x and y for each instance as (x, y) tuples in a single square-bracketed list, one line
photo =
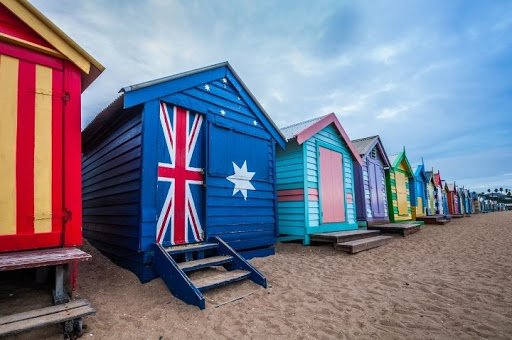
[(452, 281)]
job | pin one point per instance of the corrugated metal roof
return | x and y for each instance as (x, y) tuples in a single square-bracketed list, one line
[(203, 69), (363, 145), (291, 131)]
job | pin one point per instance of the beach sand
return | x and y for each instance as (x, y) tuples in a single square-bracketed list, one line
[(451, 281)]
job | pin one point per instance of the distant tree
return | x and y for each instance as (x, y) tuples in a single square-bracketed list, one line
[(501, 190), (496, 190), (489, 190), (509, 193)]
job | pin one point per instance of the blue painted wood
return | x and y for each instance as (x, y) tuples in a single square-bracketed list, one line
[(121, 205), (111, 186), (175, 279), (239, 262)]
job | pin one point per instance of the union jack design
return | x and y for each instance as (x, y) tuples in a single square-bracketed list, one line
[(178, 212)]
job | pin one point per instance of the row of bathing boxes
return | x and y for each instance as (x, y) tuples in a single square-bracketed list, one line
[(187, 176)]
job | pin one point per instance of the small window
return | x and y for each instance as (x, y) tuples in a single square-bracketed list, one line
[(373, 154)]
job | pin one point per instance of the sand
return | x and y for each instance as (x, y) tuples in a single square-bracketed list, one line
[(452, 281)]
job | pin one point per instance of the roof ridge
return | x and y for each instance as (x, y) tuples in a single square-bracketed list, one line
[(304, 121), (365, 138)]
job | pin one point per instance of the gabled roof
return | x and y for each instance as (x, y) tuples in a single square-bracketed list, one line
[(429, 175), (450, 186), (365, 145), (419, 171), (437, 178), (293, 130), (398, 158), (304, 130), (64, 46), (137, 94)]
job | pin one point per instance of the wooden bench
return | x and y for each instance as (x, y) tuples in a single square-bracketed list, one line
[(60, 258), (71, 311), (41, 258)]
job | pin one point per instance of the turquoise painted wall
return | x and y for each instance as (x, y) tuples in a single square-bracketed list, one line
[(330, 137), (290, 175)]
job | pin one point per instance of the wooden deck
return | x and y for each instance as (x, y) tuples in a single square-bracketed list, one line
[(436, 219), (343, 236), (41, 258), (403, 229), (366, 243), (20, 322)]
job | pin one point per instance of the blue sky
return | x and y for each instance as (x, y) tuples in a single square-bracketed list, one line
[(435, 76)]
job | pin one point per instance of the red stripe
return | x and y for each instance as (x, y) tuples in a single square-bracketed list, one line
[(167, 124), (290, 198), (292, 192), (180, 126), (57, 206), (25, 148), (28, 55), (72, 156), (164, 222), (196, 231), (196, 122), (30, 241)]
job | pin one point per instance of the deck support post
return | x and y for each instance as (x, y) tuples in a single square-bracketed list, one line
[(60, 294)]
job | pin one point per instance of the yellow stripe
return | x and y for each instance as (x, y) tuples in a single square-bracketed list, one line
[(8, 128), (43, 151)]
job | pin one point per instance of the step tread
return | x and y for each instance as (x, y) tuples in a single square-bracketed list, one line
[(366, 240), (357, 246), (191, 247), (339, 236), (220, 279), (206, 262), (345, 233), (399, 225)]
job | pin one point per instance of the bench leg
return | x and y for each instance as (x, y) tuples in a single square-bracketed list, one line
[(60, 294)]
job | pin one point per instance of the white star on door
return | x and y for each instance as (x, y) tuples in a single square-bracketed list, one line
[(241, 179)]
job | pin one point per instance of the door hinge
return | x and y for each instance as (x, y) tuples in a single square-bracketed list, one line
[(66, 216)]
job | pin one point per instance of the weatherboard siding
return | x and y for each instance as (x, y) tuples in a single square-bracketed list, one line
[(391, 187), (364, 203), (330, 136), (291, 205), (111, 172)]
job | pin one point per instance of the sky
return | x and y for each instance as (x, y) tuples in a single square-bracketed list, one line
[(433, 76)]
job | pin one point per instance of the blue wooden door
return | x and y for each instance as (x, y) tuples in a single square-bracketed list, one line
[(377, 191), (180, 190)]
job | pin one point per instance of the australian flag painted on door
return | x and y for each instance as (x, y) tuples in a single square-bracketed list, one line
[(180, 176), (179, 160)]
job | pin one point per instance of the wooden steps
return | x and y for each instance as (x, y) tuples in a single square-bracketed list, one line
[(403, 228), (343, 236), (20, 322), (204, 263), (356, 246), (192, 269), (352, 241), (191, 248), (435, 219), (220, 279)]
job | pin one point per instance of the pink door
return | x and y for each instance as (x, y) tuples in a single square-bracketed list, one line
[(331, 186)]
